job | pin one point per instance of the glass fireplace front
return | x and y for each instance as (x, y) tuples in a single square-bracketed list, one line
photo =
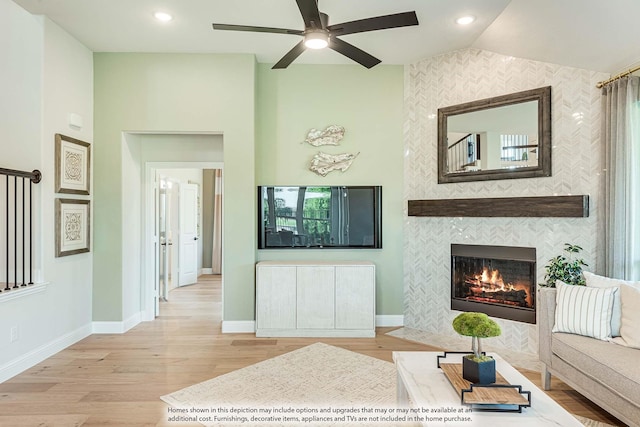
[(496, 280)]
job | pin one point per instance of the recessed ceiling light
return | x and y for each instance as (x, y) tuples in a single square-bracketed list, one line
[(163, 16), (465, 20)]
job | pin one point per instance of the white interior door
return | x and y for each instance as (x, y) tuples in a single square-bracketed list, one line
[(188, 264)]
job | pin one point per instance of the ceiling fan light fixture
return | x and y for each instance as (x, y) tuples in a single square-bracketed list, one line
[(317, 39)]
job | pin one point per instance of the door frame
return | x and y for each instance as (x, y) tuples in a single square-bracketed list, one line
[(149, 291)]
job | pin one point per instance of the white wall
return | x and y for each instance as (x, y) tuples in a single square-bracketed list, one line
[(68, 88), (45, 75), (21, 44), (468, 75)]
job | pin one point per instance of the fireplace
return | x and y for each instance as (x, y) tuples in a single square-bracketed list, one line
[(497, 280)]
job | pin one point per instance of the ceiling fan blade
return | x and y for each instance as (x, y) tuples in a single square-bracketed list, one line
[(256, 29), (350, 51), (290, 56), (405, 19), (310, 13)]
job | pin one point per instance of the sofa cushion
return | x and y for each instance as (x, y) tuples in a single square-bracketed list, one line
[(612, 365), (629, 331), (595, 281), (584, 311)]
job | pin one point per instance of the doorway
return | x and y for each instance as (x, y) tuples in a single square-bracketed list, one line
[(189, 222), (142, 154), (181, 224), (178, 219)]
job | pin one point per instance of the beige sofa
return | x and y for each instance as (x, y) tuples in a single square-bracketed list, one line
[(606, 373)]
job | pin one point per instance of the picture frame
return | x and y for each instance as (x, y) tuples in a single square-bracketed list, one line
[(72, 226), (72, 165)]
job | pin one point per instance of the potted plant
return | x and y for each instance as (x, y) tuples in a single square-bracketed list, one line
[(476, 367), (565, 268)]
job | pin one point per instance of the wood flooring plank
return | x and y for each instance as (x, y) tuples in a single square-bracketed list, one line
[(35, 398), (253, 342), (65, 420), (25, 387)]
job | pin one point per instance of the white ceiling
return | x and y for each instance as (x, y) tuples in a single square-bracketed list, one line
[(599, 35)]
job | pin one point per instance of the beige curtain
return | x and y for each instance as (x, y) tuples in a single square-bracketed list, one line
[(621, 137), (216, 261)]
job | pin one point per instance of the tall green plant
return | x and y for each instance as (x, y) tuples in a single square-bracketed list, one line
[(565, 268)]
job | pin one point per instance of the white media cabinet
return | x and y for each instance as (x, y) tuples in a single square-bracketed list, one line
[(315, 299)]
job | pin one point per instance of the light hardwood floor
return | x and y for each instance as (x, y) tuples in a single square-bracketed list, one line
[(116, 380)]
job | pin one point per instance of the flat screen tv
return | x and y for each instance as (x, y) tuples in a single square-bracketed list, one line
[(319, 217)]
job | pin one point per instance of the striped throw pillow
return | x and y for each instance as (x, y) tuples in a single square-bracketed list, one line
[(584, 311)]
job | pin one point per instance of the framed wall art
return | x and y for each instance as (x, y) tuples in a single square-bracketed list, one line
[(73, 159), (72, 226)]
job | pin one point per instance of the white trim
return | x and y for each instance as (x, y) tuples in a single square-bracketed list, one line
[(173, 132), (23, 292), (238, 326), (145, 316), (32, 358), (317, 333), (387, 320), (206, 271), (249, 326), (116, 327)]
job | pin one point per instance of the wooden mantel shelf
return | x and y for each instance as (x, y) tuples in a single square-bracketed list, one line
[(547, 206)]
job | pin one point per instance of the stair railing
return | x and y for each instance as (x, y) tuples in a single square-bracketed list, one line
[(18, 202)]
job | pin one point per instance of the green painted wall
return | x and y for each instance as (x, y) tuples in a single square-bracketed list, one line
[(369, 104), (174, 93), (263, 115)]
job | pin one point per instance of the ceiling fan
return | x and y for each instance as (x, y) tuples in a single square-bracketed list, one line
[(318, 34)]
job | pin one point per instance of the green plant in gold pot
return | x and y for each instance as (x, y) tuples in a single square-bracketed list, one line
[(477, 367)]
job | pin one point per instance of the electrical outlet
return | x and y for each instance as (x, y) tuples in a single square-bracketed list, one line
[(14, 334)]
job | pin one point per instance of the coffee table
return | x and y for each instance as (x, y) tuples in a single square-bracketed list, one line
[(425, 391)]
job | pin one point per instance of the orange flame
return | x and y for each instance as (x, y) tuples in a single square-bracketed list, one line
[(491, 281)]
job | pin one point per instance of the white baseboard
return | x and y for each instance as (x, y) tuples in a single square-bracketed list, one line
[(238, 326), (249, 326), (32, 358), (206, 271), (116, 327), (388, 320)]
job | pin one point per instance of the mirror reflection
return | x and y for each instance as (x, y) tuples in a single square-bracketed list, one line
[(496, 138)]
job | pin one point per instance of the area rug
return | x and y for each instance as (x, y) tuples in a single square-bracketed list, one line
[(318, 376), (591, 423), (316, 384)]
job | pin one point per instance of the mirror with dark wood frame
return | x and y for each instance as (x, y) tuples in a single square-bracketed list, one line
[(504, 137)]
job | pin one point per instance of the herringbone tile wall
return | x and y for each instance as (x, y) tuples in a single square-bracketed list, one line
[(468, 75)]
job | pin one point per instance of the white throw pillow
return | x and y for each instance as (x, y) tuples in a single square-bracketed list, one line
[(629, 331), (584, 311), (595, 281)]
